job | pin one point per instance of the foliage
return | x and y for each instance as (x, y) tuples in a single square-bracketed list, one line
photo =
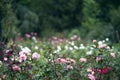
[(9, 21)]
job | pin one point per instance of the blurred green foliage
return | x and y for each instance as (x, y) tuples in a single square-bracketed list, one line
[(90, 19)]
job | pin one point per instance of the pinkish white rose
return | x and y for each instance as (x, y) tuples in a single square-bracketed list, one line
[(94, 41), (83, 60), (23, 57), (112, 55), (27, 35), (5, 58), (65, 60), (4, 76), (69, 67), (98, 58), (91, 77), (35, 56), (102, 46)]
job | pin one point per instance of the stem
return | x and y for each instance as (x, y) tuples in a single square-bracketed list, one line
[(117, 35), (54, 67), (100, 77)]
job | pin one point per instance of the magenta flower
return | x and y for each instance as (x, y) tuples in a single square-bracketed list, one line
[(8, 52), (35, 56), (104, 70), (19, 38)]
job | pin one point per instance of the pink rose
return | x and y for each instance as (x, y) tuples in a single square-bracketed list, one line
[(69, 67), (35, 56), (61, 60), (83, 60), (98, 58), (23, 57), (102, 46), (27, 35), (3, 76), (91, 76), (65, 60), (16, 68), (112, 55), (5, 58), (94, 41)]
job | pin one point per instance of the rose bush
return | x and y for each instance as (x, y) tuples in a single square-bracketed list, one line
[(59, 59)]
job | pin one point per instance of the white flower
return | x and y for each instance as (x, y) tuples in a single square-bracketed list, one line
[(103, 41), (55, 51), (26, 51), (89, 53), (108, 47), (66, 47), (75, 47), (91, 48), (0, 62), (82, 46), (72, 43), (71, 48), (21, 47), (34, 39), (102, 46), (59, 48), (36, 47), (41, 50), (107, 39), (35, 56), (100, 42)]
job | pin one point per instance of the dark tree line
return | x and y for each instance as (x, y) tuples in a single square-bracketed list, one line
[(88, 18)]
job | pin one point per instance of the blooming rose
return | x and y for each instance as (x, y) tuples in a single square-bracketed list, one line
[(112, 55), (27, 35), (16, 68), (83, 59), (35, 56), (4, 76), (69, 67), (94, 41), (5, 58), (104, 70), (98, 58), (65, 60), (91, 76), (23, 57)]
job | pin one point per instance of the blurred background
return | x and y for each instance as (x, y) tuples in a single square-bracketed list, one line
[(89, 19)]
